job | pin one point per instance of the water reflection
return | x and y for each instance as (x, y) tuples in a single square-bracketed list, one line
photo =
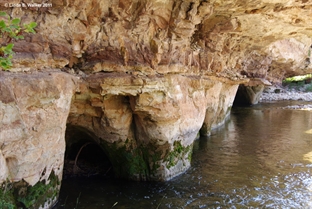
[(260, 159)]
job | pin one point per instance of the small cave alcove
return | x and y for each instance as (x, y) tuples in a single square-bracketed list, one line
[(83, 156), (248, 95)]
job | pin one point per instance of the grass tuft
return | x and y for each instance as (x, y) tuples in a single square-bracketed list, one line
[(299, 83)]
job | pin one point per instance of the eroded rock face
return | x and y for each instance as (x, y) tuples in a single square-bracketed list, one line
[(147, 124), (33, 113), (257, 39), (153, 73)]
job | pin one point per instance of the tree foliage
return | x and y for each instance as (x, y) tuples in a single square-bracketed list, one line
[(11, 29)]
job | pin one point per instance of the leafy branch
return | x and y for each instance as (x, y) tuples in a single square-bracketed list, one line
[(11, 29)]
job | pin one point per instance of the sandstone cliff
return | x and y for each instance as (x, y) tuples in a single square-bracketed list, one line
[(267, 39), (143, 77)]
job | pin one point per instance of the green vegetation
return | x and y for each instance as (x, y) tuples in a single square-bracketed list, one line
[(143, 162), (11, 29), (178, 153), (298, 78), (6, 196), (127, 159), (308, 88), (37, 195), (303, 82), (132, 161)]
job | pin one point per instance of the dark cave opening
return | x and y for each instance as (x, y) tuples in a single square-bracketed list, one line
[(247, 95), (241, 97), (83, 156)]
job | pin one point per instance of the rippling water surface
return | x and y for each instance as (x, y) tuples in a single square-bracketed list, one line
[(261, 158)]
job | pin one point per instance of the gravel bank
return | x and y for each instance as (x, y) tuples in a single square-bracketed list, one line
[(288, 95), (278, 94)]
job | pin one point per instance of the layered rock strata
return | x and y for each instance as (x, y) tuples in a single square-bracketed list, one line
[(258, 39), (152, 75)]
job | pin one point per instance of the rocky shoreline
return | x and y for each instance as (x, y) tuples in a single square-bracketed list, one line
[(279, 94), (289, 95)]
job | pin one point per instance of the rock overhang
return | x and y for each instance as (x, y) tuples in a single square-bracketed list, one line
[(151, 73), (258, 39)]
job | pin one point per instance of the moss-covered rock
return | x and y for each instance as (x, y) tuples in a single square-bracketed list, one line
[(7, 200), (40, 195), (22, 195), (179, 152), (146, 161), (133, 162)]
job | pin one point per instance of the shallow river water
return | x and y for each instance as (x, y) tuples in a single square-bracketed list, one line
[(260, 158)]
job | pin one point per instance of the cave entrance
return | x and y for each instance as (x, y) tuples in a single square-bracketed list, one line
[(248, 95), (83, 156)]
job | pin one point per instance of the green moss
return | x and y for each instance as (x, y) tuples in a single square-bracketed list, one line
[(37, 195), (152, 154), (190, 154), (142, 162), (127, 159), (6, 196), (178, 153), (131, 161)]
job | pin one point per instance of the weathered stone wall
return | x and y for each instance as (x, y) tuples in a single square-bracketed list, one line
[(153, 119), (146, 125), (257, 39), (152, 74), (33, 111)]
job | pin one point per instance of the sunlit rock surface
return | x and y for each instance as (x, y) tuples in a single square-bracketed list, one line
[(33, 112), (266, 39), (146, 77)]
